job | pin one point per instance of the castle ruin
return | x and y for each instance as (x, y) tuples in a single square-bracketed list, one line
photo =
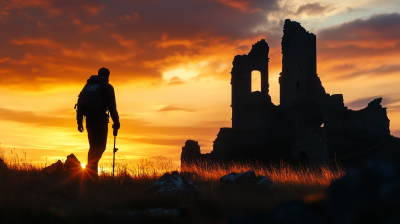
[(309, 124)]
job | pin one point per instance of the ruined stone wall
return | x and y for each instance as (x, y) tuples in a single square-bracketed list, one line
[(190, 152), (367, 122), (330, 110), (299, 120), (232, 143), (314, 146), (249, 108), (299, 81), (294, 127)]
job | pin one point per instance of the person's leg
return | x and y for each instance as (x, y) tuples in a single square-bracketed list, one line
[(97, 135)]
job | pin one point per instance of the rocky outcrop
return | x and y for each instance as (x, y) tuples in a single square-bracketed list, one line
[(55, 167), (72, 164), (248, 177), (173, 184)]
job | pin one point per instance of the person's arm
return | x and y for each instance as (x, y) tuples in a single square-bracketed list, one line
[(79, 120), (112, 106)]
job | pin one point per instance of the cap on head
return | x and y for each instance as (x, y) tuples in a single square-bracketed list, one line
[(104, 72)]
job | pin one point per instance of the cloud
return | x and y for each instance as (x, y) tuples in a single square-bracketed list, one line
[(250, 6), (37, 42), (133, 129), (343, 67), (29, 117), (377, 31), (362, 48), (51, 119), (381, 71), (174, 108), (157, 37), (175, 81), (157, 141), (363, 102), (314, 9), (73, 40), (395, 133), (216, 124), (394, 108)]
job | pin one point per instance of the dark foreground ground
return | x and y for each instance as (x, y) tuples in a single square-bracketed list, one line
[(324, 195), (29, 195)]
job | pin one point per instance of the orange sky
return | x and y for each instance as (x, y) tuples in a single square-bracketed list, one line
[(170, 65)]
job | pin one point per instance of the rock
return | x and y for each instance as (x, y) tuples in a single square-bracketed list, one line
[(55, 167), (248, 177), (265, 181), (240, 178), (3, 165), (367, 195), (72, 164), (173, 184)]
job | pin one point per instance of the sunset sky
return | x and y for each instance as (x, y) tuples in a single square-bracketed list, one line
[(170, 63)]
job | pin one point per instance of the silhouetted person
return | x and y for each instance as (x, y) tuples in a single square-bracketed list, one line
[(97, 119)]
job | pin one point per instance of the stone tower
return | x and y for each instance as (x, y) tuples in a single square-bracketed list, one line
[(248, 107), (299, 81)]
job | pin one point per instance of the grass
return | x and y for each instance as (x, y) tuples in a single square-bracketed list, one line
[(29, 195)]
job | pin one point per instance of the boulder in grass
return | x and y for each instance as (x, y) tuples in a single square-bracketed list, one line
[(3, 165), (72, 164), (265, 181), (55, 167), (248, 177), (173, 184)]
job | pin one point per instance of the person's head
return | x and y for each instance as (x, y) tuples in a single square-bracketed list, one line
[(104, 72)]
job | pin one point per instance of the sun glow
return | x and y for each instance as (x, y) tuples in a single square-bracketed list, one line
[(181, 73), (83, 165)]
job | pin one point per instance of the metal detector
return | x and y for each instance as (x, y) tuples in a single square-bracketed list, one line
[(115, 133)]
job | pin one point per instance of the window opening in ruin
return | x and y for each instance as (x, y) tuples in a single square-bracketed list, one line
[(274, 88), (322, 125), (255, 81), (298, 84), (301, 70)]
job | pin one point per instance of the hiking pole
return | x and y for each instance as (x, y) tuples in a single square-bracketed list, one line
[(115, 133)]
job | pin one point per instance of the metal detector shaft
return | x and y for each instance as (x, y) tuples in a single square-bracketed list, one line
[(114, 150)]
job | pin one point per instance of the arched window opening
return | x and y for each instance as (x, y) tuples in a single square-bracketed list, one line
[(255, 81), (322, 125)]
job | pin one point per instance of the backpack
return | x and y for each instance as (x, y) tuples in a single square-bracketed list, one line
[(90, 100)]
